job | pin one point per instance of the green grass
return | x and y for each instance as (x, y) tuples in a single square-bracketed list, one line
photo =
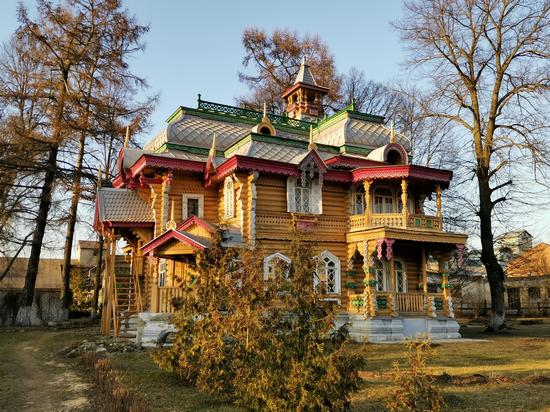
[(520, 354)]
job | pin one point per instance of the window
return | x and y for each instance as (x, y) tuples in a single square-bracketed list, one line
[(229, 198), (302, 196), (359, 200), (383, 200), (307, 198), (163, 266), (513, 298), (533, 293), (192, 205), (274, 262), (400, 276), (328, 272), (380, 276)]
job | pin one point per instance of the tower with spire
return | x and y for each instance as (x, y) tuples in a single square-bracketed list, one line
[(304, 99)]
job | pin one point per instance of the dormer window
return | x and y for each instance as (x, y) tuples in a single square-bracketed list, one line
[(229, 198), (304, 196)]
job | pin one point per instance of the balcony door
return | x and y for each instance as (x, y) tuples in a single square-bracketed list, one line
[(383, 200)]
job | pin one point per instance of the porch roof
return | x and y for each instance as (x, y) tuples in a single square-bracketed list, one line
[(197, 243)]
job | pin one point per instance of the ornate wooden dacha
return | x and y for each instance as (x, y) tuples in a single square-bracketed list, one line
[(345, 180)]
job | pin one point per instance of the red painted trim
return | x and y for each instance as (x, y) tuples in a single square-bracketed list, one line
[(194, 220), (398, 147), (128, 224), (147, 160), (341, 176), (400, 171), (316, 159), (149, 180), (169, 235), (118, 181), (342, 160), (237, 162)]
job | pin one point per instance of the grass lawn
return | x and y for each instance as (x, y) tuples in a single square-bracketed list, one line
[(33, 376), (522, 353)]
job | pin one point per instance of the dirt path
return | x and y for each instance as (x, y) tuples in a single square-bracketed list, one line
[(34, 378)]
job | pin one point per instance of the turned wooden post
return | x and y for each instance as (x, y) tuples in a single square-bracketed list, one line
[(438, 205), (366, 186), (405, 202), (392, 302), (370, 289)]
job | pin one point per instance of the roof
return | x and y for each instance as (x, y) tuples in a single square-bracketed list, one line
[(196, 242), (532, 262), (122, 205), (304, 74)]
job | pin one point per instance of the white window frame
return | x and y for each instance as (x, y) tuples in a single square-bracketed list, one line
[(337, 267), (315, 195), (162, 273), (187, 196), (384, 199), (403, 271), (358, 208), (229, 198), (381, 272), (269, 260)]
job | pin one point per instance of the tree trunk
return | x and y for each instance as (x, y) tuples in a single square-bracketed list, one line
[(495, 274), (97, 284), (67, 296), (24, 311)]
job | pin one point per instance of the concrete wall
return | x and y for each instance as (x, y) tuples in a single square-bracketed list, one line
[(46, 308)]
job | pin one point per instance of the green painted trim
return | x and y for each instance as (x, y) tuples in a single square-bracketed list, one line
[(368, 117), (354, 149)]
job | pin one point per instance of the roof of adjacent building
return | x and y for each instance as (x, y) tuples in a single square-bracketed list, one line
[(532, 262), (122, 205)]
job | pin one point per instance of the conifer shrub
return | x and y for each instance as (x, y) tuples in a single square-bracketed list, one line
[(417, 390), (267, 344)]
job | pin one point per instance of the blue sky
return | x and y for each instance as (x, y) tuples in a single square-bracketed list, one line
[(195, 47)]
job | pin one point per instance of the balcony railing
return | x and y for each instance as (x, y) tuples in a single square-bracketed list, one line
[(405, 303), (366, 221), (162, 302)]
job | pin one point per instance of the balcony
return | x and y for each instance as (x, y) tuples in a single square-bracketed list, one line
[(367, 221)]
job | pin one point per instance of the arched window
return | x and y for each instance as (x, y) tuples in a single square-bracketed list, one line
[(328, 272), (400, 276), (274, 262), (359, 200), (229, 198), (380, 275), (383, 200)]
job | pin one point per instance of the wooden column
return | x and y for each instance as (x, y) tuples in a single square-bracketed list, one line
[(370, 289), (438, 204), (405, 202), (366, 186), (393, 301), (154, 286), (424, 271)]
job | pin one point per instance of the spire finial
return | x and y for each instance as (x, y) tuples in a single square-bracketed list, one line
[(392, 133), (311, 145), (303, 60), (265, 110), (212, 152), (127, 138)]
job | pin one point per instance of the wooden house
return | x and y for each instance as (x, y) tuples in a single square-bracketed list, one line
[(346, 180)]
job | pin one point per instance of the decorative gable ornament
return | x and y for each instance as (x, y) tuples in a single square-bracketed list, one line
[(311, 165)]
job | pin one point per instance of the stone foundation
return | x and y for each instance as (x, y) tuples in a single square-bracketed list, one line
[(388, 329), (151, 326)]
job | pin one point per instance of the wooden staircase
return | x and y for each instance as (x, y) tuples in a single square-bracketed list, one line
[(127, 304)]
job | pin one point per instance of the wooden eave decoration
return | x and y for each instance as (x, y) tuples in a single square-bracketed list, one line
[(194, 220), (403, 171), (409, 234), (169, 235), (311, 164)]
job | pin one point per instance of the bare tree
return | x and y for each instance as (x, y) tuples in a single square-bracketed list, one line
[(488, 69)]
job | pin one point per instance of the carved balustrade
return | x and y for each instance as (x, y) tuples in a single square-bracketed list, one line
[(366, 221)]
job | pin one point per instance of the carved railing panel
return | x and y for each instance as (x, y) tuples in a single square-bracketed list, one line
[(165, 296), (410, 302), (362, 222)]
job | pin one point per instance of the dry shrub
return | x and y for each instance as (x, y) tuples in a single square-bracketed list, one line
[(475, 379), (112, 392), (416, 388)]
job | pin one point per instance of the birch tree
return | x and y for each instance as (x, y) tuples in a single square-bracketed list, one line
[(486, 67)]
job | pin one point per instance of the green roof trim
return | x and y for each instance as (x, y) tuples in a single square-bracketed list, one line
[(354, 149)]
